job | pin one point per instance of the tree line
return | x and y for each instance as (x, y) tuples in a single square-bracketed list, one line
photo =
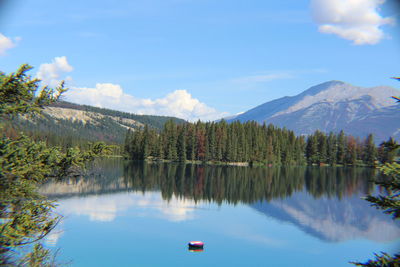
[(253, 143)]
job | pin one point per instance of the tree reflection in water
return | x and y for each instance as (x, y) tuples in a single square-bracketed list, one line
[(322, 201), (218, 184)]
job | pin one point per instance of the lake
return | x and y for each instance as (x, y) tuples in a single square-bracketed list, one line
[(141, 214)]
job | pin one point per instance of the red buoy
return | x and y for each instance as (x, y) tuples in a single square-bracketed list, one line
[(196, 244)]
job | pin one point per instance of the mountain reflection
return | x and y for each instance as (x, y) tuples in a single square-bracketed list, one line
[(324, 202)]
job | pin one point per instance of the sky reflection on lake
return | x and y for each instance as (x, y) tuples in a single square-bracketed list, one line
[(144, 215), (107, 207)]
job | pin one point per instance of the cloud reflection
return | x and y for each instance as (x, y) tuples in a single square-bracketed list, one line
[(52, 238), (106, 208)]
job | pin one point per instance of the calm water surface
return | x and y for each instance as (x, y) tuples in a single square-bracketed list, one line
[(136, 214)]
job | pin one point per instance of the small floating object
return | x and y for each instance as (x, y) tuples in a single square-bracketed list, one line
[(195, 244)]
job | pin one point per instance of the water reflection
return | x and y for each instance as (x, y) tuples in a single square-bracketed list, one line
[(106, 208), (216, 183), (323, 202)]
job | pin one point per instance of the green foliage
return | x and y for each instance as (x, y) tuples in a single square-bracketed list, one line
[(389, 203), (18, 93), (38, 257), (26, 216), (388, 150), (384, 260), (370, 151)]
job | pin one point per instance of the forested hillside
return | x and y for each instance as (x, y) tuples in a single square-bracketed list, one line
[(67, 124)]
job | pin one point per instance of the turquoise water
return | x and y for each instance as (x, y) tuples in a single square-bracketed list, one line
[(130, 214)]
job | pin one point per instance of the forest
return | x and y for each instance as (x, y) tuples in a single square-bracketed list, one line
[(67, 133), (252, 143)]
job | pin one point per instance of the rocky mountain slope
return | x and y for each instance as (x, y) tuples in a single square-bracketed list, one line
[(334, 106), (71, 124), (84, 117)]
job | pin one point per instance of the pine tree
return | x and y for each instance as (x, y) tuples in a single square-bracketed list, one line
[(170, 137), (127, 143), (388, 150), (312, 149), (351, 151), (341, 148), (145, 146), (369, 151), (181, 144), (322, 148), (191, 143), (25, 164), (332, 149)]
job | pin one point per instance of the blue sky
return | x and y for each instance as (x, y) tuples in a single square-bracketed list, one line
[(199, 58)]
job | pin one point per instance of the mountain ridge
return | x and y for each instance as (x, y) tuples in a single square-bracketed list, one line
[(69, 124), (332, 106)]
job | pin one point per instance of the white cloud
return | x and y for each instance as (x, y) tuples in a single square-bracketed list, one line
[(51, 73), (355, 20), (6, 43), (179, 103)]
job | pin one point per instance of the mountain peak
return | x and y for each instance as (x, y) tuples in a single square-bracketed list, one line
[(333, 106), (322, 87)]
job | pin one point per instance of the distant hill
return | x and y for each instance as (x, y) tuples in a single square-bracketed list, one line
[(65, 123), (333, 106)]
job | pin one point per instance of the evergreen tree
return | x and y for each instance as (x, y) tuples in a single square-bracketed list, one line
[(221, 136), (200, 141), (341, 148), (388, 150), (312, 149), (191, 143), (26, 216), (170, 137), (332, 149), (146, 149), (370, 152), (351, 151), (182, 144), (128, 143), (212, 142), (322, 148)]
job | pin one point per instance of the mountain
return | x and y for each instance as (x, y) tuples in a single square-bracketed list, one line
[(333, 106), (66, 124)]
